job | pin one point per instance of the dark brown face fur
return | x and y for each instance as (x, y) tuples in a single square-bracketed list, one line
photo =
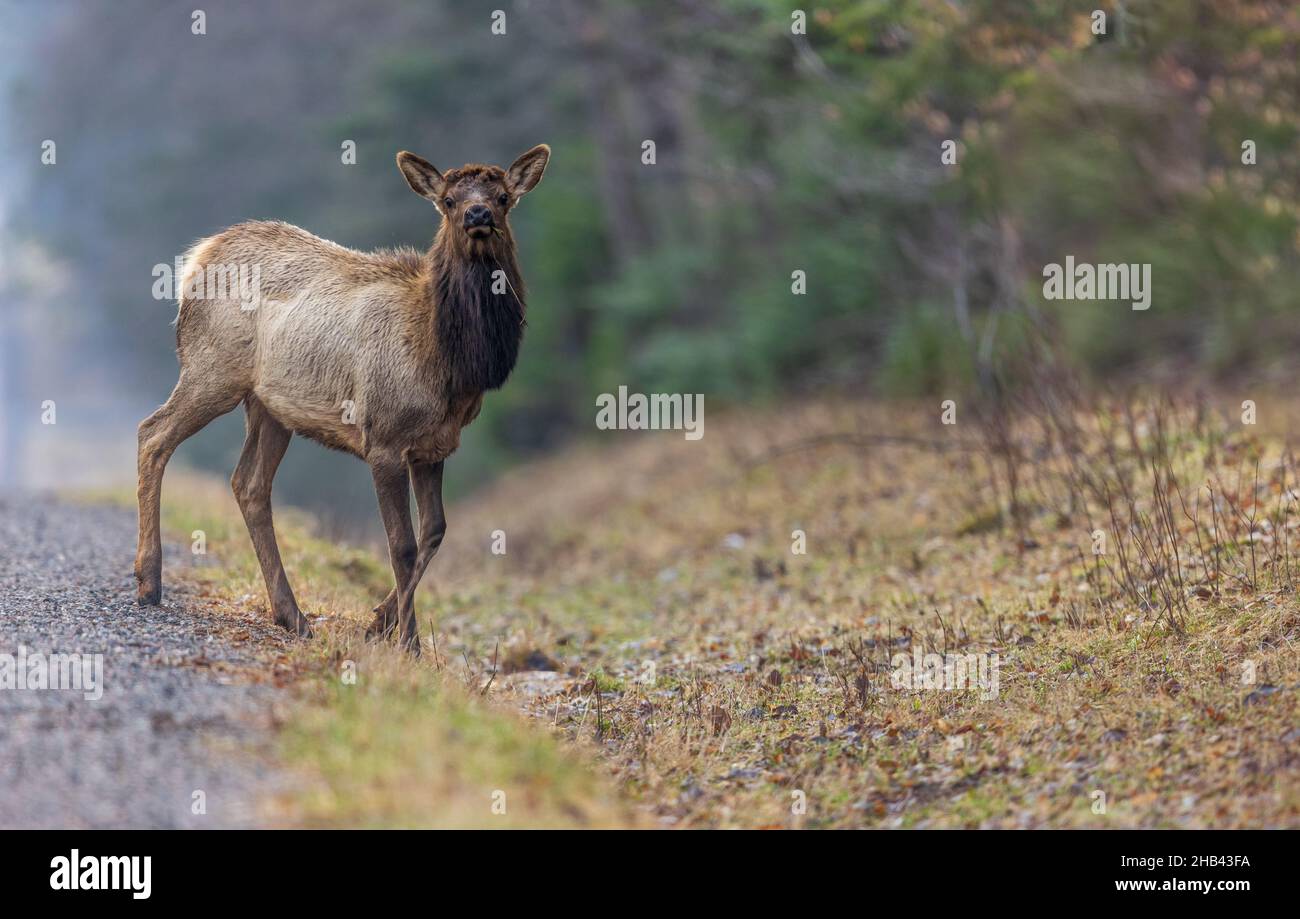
[(476, 200)]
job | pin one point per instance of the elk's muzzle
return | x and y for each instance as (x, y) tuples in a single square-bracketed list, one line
[(478, 220)]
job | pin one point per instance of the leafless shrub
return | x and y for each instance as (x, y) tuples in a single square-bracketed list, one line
[(1124, 467)]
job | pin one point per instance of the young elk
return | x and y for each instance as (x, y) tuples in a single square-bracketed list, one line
[(385, 355)]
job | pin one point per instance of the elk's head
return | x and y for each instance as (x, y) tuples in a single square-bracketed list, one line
[(475, 199)]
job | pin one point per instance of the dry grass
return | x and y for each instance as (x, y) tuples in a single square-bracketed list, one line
[(650, 613), (771, 671)]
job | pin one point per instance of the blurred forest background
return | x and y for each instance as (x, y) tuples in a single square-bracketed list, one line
[(776, 152)]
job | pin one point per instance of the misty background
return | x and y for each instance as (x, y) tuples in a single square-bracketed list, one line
[(788, 137)]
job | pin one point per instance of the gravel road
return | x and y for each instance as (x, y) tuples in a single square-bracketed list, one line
[(181, 711)]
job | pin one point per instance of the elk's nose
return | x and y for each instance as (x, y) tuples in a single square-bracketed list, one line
[(478, 215)]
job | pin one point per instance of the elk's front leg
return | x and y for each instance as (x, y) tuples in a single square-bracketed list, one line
[(392, 486), (426, 480)]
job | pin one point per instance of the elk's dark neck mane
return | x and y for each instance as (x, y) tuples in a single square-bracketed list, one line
[(478, 329)]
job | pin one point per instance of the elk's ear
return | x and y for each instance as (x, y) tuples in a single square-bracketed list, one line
[(525, 172), (423, 177)]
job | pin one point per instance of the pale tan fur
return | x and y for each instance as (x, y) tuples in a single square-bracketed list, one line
[(339, 347)]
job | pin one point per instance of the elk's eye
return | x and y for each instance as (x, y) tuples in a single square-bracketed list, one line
[(503, 199), (449, 203)]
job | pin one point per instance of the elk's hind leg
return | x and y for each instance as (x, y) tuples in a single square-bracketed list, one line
[(196, 400), (263, 449)]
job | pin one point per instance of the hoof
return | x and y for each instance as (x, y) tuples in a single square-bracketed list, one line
[(385, 621), (380, 629), (149, 596), (297, 624)]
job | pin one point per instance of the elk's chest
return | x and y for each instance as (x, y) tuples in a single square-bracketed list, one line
[(436, 436)]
